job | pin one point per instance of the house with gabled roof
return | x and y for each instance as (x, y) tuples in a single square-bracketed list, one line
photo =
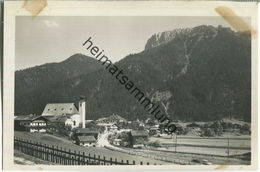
[(22, 123), (138, 137), (66, 113), (86, 141), (39, 124), (56, 109), (54, 114)]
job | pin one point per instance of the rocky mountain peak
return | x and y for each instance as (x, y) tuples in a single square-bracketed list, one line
[(165, 37)]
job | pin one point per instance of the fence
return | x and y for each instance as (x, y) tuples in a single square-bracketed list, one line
[(62, 156)]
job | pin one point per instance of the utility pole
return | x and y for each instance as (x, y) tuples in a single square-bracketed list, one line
[(228, 146), (172, 140), (176, 142)]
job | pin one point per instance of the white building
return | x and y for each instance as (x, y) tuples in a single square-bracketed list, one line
[(38, 124), (87, 141), (66, 113)]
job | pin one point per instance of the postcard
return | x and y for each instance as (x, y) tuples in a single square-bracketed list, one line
[(130, 85)]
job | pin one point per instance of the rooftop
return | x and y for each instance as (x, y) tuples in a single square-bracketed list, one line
[(139, 133), (53, 109), (111, 118), (87, 131), (86, 138), (25, 117)]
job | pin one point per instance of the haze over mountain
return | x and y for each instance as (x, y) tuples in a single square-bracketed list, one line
[(197, 74)]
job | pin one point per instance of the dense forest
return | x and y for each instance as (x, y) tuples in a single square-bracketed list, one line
[(197, 74)]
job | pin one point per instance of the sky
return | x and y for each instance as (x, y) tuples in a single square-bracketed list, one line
[(47, 39)]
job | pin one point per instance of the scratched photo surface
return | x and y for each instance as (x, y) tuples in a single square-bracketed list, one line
[(132, 90)]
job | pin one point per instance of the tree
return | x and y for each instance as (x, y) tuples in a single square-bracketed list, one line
[(208, 132), (154, 143), (217, 127), (245, 129)]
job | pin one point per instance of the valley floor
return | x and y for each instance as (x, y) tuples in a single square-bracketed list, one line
[(68, 145), (185, 155)]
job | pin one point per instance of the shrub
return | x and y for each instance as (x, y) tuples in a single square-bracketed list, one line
[(154, 143), (245, 129), (208, 133)]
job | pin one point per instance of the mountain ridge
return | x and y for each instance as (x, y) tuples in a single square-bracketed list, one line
[(196, 75)]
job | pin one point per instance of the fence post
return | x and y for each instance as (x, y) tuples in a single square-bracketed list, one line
[(75, 158), (127, 162), (52, 153), (65, 157), (39, 149), (98, 159), (45, 152), (104, 159), (141, 163), (31, 148), (56, 155), (133, 162), (22, 146), (69, 158), (79, 158), (72, 160), (61, 156), (148, 163), (48, 153), (83, 159), (26, 146), (115, 161), (111, 161), (40, 146), (122, 162), (94, 162)]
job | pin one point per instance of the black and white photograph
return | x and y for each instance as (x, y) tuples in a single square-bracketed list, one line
[(132, 90)]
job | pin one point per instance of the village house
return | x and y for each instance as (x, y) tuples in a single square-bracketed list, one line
[(71, 120), (86, 132), (138, 137), (154, 130), (111, 119), (54, 115), (39, 124), (62, 113), (111, 123), (86, 141), (22, 123), (114, 128), (86, 136), (117, 142)]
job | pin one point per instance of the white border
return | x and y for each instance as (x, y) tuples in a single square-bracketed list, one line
[(115, 8)]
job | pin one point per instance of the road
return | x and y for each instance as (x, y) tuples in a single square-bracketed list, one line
[(103, 139)]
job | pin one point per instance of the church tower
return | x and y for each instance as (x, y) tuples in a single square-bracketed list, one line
[(82, 111)]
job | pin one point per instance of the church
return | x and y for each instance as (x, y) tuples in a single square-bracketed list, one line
[(54, 115)]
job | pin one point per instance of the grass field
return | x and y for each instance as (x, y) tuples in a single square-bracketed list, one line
[(217, 146), (187, 157), (23, 159), (66, 144)]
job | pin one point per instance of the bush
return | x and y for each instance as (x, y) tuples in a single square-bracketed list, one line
[(208, 133), (245, 129), (154, 143)]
